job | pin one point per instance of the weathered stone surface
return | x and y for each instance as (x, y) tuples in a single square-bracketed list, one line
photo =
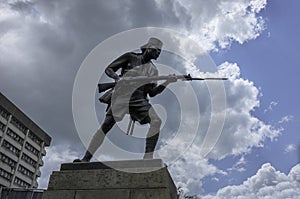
[(61, 194), (107, 178), (101, 182), (95, 194), (150, 194), (123, 165)]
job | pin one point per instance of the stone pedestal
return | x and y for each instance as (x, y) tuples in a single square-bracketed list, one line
[(134, 179)]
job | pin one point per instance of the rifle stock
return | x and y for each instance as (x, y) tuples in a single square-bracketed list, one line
[(105, 86)]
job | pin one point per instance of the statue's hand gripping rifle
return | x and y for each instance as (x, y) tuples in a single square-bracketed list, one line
[(105, 86)]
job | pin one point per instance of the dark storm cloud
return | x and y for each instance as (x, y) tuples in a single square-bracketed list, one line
[(25, 7), (49, 40), (47, 49), (149, 13)]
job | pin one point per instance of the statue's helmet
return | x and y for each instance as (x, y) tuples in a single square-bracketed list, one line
[(153, 43)]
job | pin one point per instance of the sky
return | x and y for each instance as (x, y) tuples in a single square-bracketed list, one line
[(253, 42)]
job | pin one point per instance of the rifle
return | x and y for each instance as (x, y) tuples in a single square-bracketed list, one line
[(105, 86)]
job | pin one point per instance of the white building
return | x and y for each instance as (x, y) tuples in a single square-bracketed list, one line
[(22, 147)]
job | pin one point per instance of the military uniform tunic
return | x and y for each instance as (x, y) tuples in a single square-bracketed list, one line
[(131, 97)]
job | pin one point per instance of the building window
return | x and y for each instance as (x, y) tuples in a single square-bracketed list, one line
[(14, 136), (30, 148), (18, 124), (2, 127), (21, 183), (34, 138), (6, 175), (4, 113), (7, 160), (29, 160), (25, 171), (11, 148)]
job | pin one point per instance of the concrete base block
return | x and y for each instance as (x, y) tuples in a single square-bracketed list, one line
[(135, 179)]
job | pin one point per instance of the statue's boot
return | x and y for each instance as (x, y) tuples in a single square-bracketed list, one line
[(95, 143), (150, 146)]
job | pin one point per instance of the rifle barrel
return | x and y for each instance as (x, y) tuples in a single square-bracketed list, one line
[(211, 78)]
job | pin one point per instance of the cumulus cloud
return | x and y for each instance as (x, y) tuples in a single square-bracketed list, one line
[(290, 148), (239, 165), (190, 169), (56, 155), (241, 131), (266, 183), (271, 106), (219, 22), (286, 119)]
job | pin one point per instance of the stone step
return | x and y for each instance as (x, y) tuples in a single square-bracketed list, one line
[(151, 163)]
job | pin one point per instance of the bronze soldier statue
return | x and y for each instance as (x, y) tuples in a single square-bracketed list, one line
[(137, 104)]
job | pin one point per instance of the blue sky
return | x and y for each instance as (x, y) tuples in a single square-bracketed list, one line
[(271, 62), (43, 44)]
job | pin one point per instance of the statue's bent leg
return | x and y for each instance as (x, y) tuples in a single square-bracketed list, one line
[(153, 134), (98, 138)]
